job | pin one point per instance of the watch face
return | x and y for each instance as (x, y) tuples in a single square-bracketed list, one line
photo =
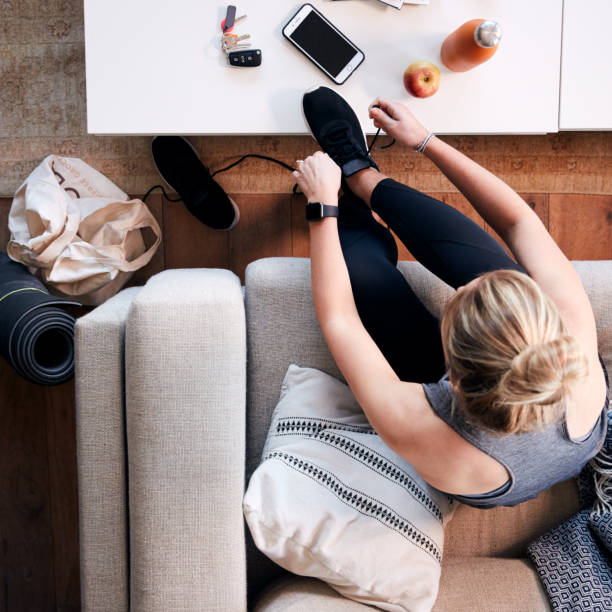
[(314, 211)]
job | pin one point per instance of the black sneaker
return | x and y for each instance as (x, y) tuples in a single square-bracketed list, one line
[(179, 165), (335, 127)]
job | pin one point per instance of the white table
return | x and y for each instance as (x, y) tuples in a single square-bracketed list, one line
[(586, 69), (155, 67)]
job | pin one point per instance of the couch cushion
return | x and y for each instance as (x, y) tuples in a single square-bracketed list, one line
[(486, 533), (358, 516), (486, 583), (297, 594), (470, 585)]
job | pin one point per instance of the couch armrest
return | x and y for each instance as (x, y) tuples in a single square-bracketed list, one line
[(185, 408), (101, 454)]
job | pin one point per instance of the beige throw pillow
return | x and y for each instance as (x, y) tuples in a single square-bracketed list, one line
[(330, 500)]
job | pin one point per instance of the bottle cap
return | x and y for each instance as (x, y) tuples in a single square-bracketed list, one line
[(487, 34)]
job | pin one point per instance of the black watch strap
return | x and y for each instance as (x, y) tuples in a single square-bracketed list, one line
[(315, 211)]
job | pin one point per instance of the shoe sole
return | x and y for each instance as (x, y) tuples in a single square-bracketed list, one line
[(234, 205), (311, 90)]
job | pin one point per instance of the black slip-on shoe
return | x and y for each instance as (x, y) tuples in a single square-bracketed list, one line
[(179, 165), (334, 125)]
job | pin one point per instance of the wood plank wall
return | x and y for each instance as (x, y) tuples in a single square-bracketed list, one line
[(38, 487)]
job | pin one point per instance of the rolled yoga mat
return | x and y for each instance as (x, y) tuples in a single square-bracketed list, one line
[(36, 337)]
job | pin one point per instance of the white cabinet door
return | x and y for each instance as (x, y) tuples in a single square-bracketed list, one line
[(586, 65)]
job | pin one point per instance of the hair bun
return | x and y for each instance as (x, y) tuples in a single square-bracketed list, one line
[(542, 373)]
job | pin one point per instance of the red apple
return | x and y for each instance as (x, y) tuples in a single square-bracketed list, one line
[(422, 79)]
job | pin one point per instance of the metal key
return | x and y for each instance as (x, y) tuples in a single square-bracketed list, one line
[(229, 50), (229, 46), (232, 39), (233, 47), (232, 43)]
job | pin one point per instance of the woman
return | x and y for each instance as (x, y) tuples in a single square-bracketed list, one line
[(525, 402)]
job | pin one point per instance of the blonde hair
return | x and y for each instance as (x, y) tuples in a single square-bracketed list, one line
[(511, 358)]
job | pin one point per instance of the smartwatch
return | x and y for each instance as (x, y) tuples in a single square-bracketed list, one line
[(315, 211)]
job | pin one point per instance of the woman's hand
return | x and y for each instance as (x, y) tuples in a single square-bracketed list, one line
[(319, 178), (397, 121)]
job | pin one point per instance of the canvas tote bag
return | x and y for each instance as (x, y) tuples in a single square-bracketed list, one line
[(78, 231)]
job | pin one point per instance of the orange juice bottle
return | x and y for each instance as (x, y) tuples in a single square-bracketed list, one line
[(470, 44)]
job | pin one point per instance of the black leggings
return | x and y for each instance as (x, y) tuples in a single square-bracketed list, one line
[(445, 241)]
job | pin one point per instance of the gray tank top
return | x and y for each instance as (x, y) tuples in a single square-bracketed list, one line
[(535, 460)]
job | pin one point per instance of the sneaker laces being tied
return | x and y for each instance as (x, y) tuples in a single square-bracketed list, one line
[(342, 144)]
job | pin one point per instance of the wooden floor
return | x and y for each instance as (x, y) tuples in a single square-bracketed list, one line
[(38, 487)]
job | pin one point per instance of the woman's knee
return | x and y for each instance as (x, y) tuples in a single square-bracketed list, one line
[(375, 277), (371, 243)]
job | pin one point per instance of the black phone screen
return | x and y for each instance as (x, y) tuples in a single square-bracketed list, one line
[(323, 43)]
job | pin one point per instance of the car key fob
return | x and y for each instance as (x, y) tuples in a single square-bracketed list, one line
[(245, 58)]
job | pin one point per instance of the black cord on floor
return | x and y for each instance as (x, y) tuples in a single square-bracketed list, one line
[(276, 161), (266, 158), (146, 195), (294, 190)]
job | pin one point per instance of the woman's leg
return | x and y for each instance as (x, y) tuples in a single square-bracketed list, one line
[(444, 240), (404, 330)]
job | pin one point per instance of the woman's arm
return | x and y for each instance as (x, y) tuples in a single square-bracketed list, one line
[(522, 230), (507, 213), (493, 199), (383, 397), (319, 179)]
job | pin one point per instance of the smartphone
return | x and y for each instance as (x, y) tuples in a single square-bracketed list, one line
[(323, 43)]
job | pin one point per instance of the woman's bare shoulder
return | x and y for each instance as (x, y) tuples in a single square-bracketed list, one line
[(436, 451), (587, 400), (446, 460)]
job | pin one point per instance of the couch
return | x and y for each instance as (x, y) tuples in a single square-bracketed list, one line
[(176, 382)]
